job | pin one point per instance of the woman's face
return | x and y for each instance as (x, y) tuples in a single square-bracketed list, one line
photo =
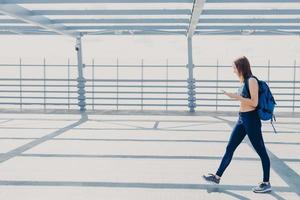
[(235, 69)]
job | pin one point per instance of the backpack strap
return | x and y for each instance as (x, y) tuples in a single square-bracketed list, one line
[(273, 117), (246, 82)]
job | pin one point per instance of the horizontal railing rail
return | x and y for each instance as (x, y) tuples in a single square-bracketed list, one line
[(60, 90)]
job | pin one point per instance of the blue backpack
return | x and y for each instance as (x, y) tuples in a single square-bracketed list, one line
[(266, 102)]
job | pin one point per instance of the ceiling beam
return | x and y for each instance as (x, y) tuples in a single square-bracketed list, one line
[(251, 12), (249, 20), (91, 1), (197, 10), (139, 32), (170, 12), (21, 28), (100, 28), (131, 27), (157, 27), (208, 33), (115, 12), (253, 1), (247, 33), (168, 20), (27, 16), (123, 21), (246, 27), (141, 1)]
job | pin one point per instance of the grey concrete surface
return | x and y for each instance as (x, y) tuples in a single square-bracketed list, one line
[(111, 155)]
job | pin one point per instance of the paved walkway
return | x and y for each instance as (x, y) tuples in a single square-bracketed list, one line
[(107, 156)]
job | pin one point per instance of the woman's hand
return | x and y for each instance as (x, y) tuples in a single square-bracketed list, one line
[(253, 87), (232, 95)]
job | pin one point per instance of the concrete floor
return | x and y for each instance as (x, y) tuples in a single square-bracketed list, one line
[(109, 156)]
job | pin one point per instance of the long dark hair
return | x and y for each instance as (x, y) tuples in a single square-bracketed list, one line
[(243, 67)]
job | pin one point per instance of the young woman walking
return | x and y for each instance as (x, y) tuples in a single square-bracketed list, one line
[(248, 123)]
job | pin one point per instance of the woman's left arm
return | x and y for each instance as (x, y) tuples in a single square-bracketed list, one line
[(253, 87)]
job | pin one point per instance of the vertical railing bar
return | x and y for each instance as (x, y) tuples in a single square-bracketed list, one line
[(20, 74), (142, 84), (117, 83), (269, 71), (167, 84), (217, 84), (294, 86), (93, 84), (68, 83), (44, 70), (269, 66)]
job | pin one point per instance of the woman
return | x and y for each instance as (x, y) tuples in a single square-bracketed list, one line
[(248, 123)]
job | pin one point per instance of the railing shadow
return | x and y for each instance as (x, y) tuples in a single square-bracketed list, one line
[(34, 143)]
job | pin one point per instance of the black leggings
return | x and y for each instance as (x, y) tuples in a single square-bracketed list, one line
[(248, 124)]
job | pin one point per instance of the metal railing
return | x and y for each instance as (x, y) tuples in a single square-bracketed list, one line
[(162, 87)]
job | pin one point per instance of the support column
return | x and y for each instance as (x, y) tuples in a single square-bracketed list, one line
[(191, 81), (80, 80)]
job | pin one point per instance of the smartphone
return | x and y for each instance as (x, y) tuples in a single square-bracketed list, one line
[(223, 91)]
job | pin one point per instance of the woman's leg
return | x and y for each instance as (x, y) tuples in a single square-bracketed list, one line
[(237, 136), (253, 129)]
